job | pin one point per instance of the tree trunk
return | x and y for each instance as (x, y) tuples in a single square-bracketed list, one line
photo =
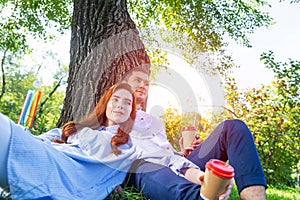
[(105, 44)]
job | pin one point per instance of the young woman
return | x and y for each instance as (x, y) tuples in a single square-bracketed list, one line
[(92, 161)]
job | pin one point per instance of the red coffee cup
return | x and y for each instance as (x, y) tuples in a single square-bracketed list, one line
[(216, 179)]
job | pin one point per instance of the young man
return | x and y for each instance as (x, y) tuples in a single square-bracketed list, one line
[(157, 178)]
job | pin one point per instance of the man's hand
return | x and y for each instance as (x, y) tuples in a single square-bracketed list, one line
[(195, 144)]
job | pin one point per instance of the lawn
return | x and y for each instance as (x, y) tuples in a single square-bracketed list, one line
[(273, 193)]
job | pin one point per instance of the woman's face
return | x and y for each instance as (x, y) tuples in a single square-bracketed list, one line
[(119, 107)]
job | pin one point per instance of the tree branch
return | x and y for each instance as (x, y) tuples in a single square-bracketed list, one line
[(50, 94), (231, 111), (3, 74)]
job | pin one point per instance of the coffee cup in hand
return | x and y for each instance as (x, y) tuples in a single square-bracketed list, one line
[(188, 136), (217, 177)]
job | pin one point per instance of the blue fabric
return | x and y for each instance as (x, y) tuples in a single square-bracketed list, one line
[(37, 170), (4, 139), (158, 182), (231, 140)]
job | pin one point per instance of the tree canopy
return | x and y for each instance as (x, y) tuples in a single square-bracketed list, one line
[(207, 23)]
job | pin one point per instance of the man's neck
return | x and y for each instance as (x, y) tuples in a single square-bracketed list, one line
[(139, 106)]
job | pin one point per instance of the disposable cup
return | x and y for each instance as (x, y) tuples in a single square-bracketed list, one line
[(188, 136), (217, 177)]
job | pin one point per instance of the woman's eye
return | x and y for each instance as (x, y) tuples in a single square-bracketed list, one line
[(127, 103)]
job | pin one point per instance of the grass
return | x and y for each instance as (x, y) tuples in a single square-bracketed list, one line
[(127, 193), (273, 193), (283, 192)]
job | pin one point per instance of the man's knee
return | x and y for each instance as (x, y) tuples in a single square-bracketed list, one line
[(236, 126), (257, 192)]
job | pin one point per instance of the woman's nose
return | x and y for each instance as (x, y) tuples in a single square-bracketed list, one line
[(119, 105)]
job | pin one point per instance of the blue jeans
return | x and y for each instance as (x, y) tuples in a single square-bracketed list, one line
[(231, 140)]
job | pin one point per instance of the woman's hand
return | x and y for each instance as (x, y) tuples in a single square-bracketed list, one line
[(226, 194), (57, 141)]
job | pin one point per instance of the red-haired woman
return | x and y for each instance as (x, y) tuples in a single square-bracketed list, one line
[(91, 159)]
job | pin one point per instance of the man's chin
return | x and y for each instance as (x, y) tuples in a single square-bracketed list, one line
[(140, 98)]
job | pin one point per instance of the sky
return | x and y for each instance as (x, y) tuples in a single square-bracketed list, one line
[(283, 39)]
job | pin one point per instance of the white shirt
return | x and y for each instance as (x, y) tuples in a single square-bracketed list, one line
[(149, 137)]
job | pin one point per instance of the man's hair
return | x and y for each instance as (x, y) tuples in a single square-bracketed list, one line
[(143, 69)]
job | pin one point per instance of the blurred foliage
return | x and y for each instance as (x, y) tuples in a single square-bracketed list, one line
[(207, 23), (19, 20), (174, 122), (273, 114), (198, 31), (49, 109), (158, 60), (39, 19), (36, 16), (18, 81)]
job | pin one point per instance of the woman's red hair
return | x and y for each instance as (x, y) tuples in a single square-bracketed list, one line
[(98, 118)]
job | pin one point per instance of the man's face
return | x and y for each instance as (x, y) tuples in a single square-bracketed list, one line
[(139, 81)]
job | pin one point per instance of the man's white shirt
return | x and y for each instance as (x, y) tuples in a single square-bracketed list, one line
[(149, 137)]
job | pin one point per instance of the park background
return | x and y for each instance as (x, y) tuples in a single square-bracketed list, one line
[(254, 94)]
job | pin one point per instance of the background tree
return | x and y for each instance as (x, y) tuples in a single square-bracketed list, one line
[(97, 25), (21, 20), (104, 45), (206, 23), (17, 85), (174, 121), (96, 64), (272, 113)]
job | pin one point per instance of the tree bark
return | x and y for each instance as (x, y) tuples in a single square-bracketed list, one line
[(105, 44)]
